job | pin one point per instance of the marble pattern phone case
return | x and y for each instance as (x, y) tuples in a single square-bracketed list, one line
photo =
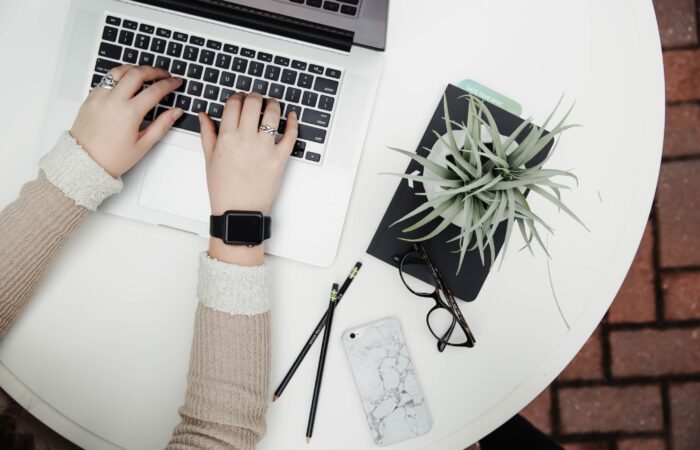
[(386, 380)]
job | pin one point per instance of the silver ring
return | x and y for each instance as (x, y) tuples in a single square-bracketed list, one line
[(107, 82), (268, 129)]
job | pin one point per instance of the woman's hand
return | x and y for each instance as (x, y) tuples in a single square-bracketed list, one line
[(108, 125), (244, 165)]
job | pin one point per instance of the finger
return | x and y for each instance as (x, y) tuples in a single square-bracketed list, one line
[(133, 80), (153, 94), (250, 114), (232, 112), (291, 132), (157, 129), (208, 133), (271, 116)]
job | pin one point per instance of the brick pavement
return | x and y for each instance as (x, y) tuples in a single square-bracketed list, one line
[(636, 384)]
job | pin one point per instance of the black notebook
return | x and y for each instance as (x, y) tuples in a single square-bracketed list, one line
[(386, 244)]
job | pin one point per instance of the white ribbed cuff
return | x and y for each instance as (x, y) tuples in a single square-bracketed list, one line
[(233, 289), (69, 167)]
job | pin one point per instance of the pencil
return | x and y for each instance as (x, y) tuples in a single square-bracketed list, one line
[(319, 327), (322, 362)]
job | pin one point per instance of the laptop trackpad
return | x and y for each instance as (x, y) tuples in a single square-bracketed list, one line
[(176, 183)]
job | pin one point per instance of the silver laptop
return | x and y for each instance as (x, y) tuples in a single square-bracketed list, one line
[(320, 58)]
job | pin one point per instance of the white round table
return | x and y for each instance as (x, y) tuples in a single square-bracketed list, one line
[(101, 352)]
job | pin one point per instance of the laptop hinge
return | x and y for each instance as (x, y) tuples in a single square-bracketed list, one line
[(261, 20)]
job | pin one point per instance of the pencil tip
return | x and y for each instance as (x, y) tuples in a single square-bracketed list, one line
[(308, 439), (275, 397)]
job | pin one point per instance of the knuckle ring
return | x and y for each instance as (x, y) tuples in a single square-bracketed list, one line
[(107, 82)]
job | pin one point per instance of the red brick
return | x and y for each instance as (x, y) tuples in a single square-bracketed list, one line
[(682, 135), (587, 446), (655, 352), (588, 363), (641, 444), (678, 213), (685, 416), (538, 412), (609, 409), (682, 69), (681, 295), (677, 24), (635, 302)]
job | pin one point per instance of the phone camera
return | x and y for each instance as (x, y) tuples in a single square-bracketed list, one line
[(352, 335)]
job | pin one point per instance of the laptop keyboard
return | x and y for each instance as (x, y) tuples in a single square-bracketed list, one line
[(212, 70), (342, 7)]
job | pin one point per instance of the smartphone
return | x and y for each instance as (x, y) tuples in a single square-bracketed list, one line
[(386, 381)]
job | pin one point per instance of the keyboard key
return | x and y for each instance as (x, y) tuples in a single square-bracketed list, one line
[(148, 29), (282, 105), (331, 6), (191, 53), (126, 37), (294, 108), (195, 88), (225, 94), (299, 65), (196, 40), (178, 68), (281, 61), (315, 117), (187, 122), (314, 3), (215, 45), (325, 85), (158, 45), (276, 90), (146, 59), (168, 100), (326, 102), (233, 49), (293, 95), (333, 73), (297, 1), (183, 102), (309, 99), (163, 63), (352, 2), (150, 115), (105, 65), (282, 126), (272, 72), (96, 78), (116, 21), (311, 156), (110, 51), (239, 65), (248, 53), (194, 71), (182, 37), (110, 34), (255, 69), (260, 86), (162, 32), (211, 75), (223, 60), (216, 110), (298, 149), (130, 55), (207, 57), (349, 10), (264, 57), (316, 69), (289, 76), (305, 80), (130, 24), (211, 92), (243, 83), (174, 49), (199, 105), (142, 41), (227, 79)]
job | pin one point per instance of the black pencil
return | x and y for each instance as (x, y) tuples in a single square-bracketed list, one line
[(314, 335), (322, 361)]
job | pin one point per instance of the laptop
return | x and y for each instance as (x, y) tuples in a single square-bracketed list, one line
[(320, 58)]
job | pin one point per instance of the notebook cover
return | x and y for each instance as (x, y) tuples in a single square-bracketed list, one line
[(386, 244)]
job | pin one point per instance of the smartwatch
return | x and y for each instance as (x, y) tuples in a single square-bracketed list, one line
[(248, 228)]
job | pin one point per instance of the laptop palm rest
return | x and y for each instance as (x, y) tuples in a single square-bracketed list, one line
[(175, 183)]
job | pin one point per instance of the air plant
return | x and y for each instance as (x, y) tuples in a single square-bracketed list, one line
[(482, 184)]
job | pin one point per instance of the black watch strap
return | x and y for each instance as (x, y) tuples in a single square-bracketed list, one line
[(217, 226)]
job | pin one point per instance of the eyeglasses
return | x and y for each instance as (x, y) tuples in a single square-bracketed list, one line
[(445, 320)]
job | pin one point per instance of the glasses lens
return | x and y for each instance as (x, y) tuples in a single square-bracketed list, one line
[(413, 271), (445, 326)]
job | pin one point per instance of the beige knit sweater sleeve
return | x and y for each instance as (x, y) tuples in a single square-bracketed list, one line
[(226, 399)]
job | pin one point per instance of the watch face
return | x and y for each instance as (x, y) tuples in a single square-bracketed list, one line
[(244, 228)]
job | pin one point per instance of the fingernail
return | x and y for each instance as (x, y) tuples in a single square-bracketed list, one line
[(294, 113), (177, 113)]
